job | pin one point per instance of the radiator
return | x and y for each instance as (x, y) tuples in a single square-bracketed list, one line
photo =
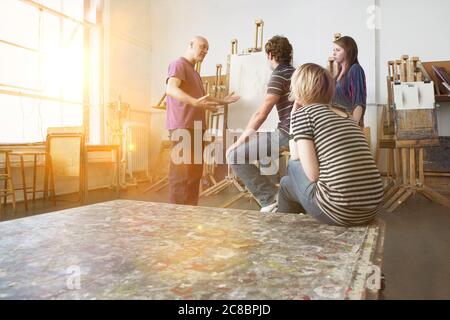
[(137, 148)]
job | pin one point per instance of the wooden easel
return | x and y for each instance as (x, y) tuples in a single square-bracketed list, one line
[(220, 89), (332, 66), (259, 23), (214, 123), (231, 179), (406, 149)]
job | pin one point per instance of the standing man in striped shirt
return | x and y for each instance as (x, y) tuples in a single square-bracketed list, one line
[(279, 53)]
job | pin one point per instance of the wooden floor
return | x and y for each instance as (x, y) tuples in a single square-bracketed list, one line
[(417, 244)]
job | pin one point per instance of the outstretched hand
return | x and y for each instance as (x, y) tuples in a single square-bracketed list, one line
[(231, 98), (206, 104)]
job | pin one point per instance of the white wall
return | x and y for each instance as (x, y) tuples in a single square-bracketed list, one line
[(129, 52), (128, 60)]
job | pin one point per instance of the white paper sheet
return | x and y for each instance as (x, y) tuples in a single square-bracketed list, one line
[(414, 95)]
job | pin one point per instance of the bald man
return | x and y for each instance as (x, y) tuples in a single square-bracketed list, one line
[(186, 105)]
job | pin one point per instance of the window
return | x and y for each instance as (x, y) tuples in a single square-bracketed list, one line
[(48, 67)]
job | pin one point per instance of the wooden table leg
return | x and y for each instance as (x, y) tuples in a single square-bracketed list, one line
[(52, 179), (24, 183), (34, 176), (9, 182), (83, 174), (46, 174)]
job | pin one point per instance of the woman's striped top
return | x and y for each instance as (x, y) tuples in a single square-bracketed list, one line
[(349, 189)]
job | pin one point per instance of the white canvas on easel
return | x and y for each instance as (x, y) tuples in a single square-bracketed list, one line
[(249, 77), (414, 95)]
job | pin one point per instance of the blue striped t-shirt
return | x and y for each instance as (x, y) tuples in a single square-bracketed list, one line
[(280, 85)]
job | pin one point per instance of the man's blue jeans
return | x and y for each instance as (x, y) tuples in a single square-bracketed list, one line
[(265, 148)]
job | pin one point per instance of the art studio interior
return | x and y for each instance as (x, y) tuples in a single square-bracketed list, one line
[(224, 150)]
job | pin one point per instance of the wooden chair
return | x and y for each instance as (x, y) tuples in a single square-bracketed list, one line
[(37, 159)]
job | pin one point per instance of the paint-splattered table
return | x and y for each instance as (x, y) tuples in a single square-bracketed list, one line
[(140, 250)]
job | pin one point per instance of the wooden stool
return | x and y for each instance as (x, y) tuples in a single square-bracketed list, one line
[(5, 175), (45, 163)]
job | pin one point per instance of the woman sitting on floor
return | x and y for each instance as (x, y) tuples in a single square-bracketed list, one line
[(331, 175)]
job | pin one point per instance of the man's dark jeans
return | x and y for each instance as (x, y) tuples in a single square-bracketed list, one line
[(184, 178)]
